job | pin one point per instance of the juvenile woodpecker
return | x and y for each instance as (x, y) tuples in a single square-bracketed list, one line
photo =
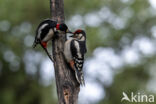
[(47, 30), (74, 50)]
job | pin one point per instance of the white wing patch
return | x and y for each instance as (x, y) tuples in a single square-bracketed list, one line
[(39, 30), (49, 35), (78, 49)]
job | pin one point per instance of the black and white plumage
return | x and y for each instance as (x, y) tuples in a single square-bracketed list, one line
[(46, 31), (74, 50)]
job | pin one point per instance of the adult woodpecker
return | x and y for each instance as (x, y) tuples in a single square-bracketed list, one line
[(74, 50), (47, 30)]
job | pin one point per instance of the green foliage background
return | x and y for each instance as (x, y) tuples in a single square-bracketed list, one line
[(18, 21)]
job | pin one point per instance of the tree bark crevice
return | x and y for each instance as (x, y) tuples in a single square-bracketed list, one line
[(66, 84)]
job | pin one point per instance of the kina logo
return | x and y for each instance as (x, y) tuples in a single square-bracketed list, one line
[(125, 97), (137, 97)]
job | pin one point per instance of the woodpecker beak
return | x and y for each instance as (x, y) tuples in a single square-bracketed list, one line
[(68, 31), (73, 35)]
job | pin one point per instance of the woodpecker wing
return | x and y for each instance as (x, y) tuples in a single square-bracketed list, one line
[(43, 29), (83, 48), (78, 50)]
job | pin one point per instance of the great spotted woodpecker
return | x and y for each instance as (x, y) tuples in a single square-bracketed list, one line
[(47, 30), (74, 50)]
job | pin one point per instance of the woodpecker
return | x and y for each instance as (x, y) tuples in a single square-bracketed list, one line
[(47, 30), (74, 51)]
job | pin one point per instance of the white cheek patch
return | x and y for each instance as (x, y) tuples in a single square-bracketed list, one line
[(83, 38), (80, 35)]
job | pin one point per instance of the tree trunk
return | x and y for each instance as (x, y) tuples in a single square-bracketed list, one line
[(67, 86)]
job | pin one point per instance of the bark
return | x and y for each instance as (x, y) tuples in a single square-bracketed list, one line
[(66, 84)]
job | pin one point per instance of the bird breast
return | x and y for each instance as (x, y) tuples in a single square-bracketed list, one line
[(67, 50), (48, 36)]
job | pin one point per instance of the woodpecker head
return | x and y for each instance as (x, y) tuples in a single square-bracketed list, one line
[(79, 34), (63, 28)]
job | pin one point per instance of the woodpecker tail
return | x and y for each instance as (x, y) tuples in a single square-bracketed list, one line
[(34, 44), (79, 77), (45, 49)]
